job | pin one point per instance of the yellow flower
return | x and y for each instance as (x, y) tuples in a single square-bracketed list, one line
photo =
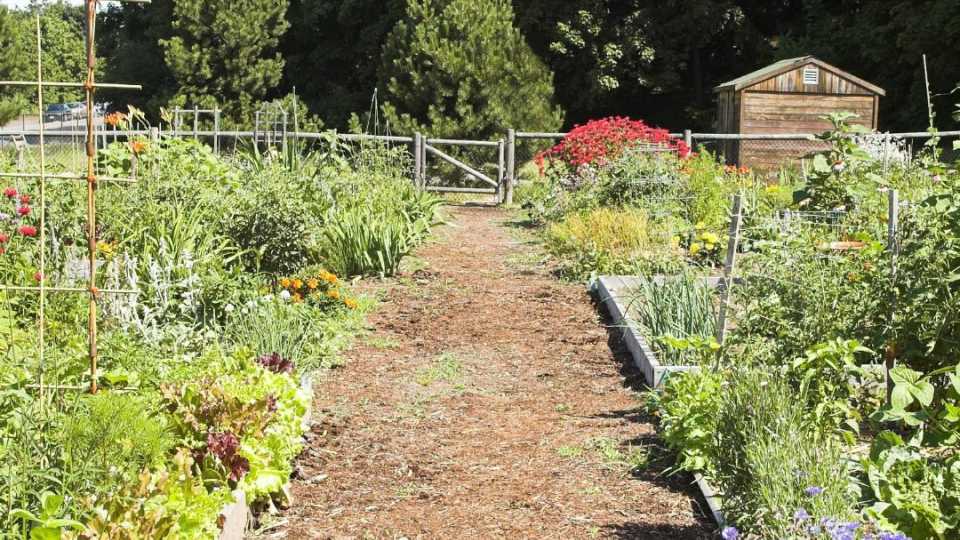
[(284, 283), (700, 225), (350, 303), (105, 248), (335, 294), (694, 248), (675, 241), (331, 279), (297, 298), (312, 283), (710, 238), (298, 284)]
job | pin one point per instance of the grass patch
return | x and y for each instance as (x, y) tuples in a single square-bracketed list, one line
[(447, 368), (569, 452), (634, 458)]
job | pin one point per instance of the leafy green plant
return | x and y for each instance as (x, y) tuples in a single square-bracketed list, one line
[(831, 184), (47, 525), (675, 313), (687, 406), (917, 494), (360, 242)]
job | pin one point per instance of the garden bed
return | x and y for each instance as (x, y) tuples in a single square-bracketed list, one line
[(613, 291)]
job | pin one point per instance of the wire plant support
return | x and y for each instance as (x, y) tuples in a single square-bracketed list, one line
[(90, 86)]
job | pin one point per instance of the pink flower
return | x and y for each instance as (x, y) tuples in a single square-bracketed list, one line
[(28, 230), (38, 277), (10, 192), (23, 210)]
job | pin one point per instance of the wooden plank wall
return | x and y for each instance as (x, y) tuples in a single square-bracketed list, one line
[(792, 81), (793, 113)]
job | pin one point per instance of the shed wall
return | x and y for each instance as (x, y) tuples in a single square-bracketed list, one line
[(793, 113), (792, 82)]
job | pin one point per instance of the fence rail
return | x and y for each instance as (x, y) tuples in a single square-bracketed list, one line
[(501, 168)]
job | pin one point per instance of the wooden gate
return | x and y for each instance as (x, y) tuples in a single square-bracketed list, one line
[(471, 179)]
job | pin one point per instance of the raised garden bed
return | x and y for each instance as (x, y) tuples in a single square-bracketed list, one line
[(613, 292)]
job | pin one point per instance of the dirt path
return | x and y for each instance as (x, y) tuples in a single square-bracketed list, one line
[(486, 404)]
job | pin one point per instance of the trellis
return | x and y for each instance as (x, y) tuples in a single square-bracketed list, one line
[(91, 178)]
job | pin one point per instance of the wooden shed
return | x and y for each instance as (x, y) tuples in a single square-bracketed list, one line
[(789, 96)]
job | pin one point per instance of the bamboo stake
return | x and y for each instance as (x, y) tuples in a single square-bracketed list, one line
[(43, 211), (91, 12)]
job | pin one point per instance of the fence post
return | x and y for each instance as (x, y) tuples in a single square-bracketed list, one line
[(511, 176), (893, 218), (417, 157), (501, 168), (216, 130), (283, 144), (424, 141), (21, 162), (688, 138), (154, 134), (196, 122), (736, 220)]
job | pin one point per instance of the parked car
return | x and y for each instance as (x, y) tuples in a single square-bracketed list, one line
[(57, 112), (79, 109)]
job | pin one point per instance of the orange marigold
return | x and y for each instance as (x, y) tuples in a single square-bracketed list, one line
[(350, 303), (284, 283), (312, 283), (335, 294), (137, 147)]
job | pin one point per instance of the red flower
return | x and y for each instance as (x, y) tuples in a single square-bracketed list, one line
[(38, 277), (4, 238), (28, 230), (10, 192), (3, 250), (24, 199), (23, 210), (599, 141)]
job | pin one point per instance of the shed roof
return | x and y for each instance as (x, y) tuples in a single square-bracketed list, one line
[(789, 64)]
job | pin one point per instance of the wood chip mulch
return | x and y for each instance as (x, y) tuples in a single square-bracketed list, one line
[(489, 401)]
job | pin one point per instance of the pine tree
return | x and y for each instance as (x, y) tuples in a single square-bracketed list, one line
[(12, 64), (225, 53), (460, 68)]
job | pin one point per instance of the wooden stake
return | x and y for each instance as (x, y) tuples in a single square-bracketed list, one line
[(733, 244)]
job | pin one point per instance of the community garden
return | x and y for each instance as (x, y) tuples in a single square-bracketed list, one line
[(223, 283), (825, 403)]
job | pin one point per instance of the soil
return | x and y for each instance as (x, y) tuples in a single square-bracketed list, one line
[(489, 401)]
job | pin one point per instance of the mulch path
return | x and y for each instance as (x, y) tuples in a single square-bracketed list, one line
[(489, 401)]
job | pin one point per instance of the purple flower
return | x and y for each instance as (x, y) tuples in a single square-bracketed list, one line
[(801, 515), (730, 533), (893, 536), (813, 491)]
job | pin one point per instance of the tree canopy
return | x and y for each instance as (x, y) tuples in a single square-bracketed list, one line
[(657, 60), (460, 68)]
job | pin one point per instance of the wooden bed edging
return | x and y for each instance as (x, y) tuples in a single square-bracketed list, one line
[(611, 291)]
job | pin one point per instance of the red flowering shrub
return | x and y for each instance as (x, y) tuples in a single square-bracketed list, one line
[(600, 141)]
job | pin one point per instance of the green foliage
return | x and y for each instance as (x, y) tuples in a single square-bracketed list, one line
[(768, 455), (113, 436), (927, 323), (915, 493), (226, 54), (831, 184), (459, 67), (687, 406), (359, 242), (674, 313)]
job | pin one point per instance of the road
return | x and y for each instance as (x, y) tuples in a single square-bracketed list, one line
[(32, 123)]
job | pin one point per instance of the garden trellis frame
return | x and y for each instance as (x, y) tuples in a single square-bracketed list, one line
[(91, 178)]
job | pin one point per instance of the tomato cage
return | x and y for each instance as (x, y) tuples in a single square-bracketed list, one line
[(30, 280)]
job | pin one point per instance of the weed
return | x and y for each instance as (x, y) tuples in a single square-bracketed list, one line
[(447, 369), (569, 452)]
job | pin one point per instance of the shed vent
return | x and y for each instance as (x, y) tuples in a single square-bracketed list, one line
[(811, 75)]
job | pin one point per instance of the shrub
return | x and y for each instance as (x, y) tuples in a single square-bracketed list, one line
[(603, 141), (359, 241), (611, 241)]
